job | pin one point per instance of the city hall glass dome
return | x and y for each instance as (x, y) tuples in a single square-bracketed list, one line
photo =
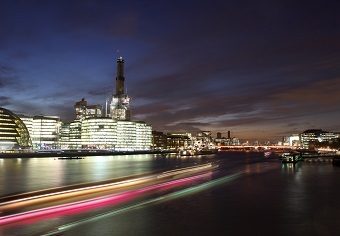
[(13, 132)]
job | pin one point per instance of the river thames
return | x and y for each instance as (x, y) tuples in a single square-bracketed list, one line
[(241, 194)]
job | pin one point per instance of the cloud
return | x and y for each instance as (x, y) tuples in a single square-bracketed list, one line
[(5, 69), (100, 91), (264, 105), (321, 96), (8, 77), (198, 65), (5, 101)]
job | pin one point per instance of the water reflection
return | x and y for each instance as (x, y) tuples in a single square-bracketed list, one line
[(21, 175), (258, 168), (102, 201), (290, 168), (269, 198)]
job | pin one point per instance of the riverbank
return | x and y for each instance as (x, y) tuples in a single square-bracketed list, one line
[(76, 153)]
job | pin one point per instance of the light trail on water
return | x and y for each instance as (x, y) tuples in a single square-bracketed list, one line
[(164, 198), (98, 202), (39, 198)]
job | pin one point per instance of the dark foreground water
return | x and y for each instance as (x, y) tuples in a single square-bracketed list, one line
[(248, 195)]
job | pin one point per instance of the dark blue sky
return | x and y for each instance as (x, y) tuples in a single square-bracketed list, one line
[(257, 68)]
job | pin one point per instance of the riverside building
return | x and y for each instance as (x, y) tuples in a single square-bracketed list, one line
[(120, 102), (93, 130), (43, 130), (310, 137), (71, 133), (86, 111), (179, 141), (13, 132)]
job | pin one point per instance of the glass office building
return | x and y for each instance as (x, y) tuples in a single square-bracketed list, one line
[(44, 131), (91, 129), (13, 131), (106, 133), (98, 133), (133, 135)]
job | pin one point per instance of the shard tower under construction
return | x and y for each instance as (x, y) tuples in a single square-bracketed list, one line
[(120, 103)]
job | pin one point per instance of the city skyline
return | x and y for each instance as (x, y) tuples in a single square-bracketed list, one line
[(261, 70)]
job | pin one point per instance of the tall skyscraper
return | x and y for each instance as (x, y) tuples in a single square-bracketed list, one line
[(89, 130), (120, 103)]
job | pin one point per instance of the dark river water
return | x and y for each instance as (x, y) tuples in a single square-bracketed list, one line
[(247, 195)]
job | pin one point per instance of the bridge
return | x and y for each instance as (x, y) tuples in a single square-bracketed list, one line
[(256, 148)]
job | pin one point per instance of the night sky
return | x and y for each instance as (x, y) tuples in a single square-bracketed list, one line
[(257, 68)]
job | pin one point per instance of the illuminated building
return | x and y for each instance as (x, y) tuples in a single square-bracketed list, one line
[(44, 131), (92, 130), (133, 135), (71, 134), (219, 140), (83, 110), (13, 131), (114, 131), (312, 136), (28, 121), (293, 140), (80, 109), (106, 133), (229, 141), (179, 141), (74, 141), (64, 135), (159, 140), (120, 103), (98, 133), (203, 141)]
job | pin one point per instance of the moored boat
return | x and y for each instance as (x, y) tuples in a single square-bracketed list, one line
[(291, 157), (188, 152), (207, 151), (70, 158)]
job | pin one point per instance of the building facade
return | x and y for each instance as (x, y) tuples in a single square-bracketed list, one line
[(13, 132), (293, 140), (98, 133), (133, 135), (203, 141), (93, 130), (120, 102), (44, 131), (64, 135), (83, 110), (159, 140), (179, 141), (106, 133), (311, 137)]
